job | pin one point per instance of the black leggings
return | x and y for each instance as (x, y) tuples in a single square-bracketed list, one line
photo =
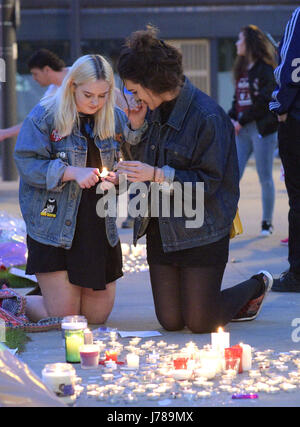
[(192, 297)]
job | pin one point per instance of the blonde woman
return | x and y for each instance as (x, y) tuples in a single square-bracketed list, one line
[(64, 143)]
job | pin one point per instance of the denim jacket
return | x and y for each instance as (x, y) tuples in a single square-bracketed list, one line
[(196, 144), (49, 206)]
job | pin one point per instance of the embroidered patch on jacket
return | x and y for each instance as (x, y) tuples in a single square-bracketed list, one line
[(120, 138), (55, 137), (50, 209)]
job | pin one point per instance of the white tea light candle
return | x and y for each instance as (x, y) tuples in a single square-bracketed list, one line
[(133, 361)]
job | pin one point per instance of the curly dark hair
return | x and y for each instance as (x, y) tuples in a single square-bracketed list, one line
[(150, 62), (258, 46), (43, 57)]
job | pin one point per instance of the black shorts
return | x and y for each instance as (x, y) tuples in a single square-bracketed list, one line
[(212, 254), (91, 262)]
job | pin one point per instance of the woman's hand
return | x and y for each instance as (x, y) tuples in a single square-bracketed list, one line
[(112, 177), (85, 177), (136, 171), (136, 115)]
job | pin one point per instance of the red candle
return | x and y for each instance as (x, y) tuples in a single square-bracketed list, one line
[(111, 355), (232, 354), (180, 363)]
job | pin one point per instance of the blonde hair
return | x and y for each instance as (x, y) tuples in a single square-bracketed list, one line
[(62, 104)]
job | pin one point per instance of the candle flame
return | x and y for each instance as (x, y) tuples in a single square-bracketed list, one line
[(104, 172), (220, 330)]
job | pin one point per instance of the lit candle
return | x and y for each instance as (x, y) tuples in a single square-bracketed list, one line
[(133, 360), (89, 356), (111, 355), (211, 358), (208, 372), (104, 173), (180, 363), (107, 377), (73, 340), (125, 248), (60, 378), (233, 358), (190, 350), (73, 322), (220, 340), (181, 374), (246, 357)]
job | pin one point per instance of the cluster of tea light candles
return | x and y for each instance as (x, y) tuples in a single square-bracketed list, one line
[(159, 371)]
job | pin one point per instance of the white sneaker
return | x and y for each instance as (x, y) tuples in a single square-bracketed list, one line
[(266, 229)]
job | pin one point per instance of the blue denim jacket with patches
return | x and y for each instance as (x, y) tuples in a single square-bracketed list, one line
[(42, 158)]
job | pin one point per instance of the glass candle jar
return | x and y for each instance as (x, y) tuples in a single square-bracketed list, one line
[(61, 378), (89, 356), (74, 339), (73, 322)]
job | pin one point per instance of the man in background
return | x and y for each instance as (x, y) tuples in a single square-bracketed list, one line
[(47, 69), (286, 104)]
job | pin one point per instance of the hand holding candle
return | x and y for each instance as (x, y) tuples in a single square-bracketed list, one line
[(136, 171)]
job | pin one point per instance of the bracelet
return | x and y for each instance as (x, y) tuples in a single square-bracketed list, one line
[(158, 175)]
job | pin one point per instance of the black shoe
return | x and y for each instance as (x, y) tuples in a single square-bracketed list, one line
[(287, 282), (266, 229)]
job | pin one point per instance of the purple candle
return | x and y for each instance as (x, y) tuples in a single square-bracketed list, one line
[(89, 356)]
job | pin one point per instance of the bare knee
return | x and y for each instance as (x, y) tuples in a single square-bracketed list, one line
[(96, 306)]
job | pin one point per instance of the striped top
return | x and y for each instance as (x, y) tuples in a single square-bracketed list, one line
[(286, 96)]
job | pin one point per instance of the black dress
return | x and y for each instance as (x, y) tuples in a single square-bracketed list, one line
[(207, 255), (91, 262)]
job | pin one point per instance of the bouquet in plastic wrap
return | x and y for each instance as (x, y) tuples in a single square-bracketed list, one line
[(20, 387), (13, 248)]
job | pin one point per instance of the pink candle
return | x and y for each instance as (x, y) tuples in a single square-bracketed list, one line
[(89, 356)]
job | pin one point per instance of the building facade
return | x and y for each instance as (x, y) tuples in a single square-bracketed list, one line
[(205, 31)]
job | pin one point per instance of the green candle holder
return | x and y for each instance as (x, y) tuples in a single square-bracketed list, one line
[(73, 340)]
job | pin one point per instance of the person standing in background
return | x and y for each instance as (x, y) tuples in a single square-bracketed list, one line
[(47, 69), (286, 104), (255, 126)]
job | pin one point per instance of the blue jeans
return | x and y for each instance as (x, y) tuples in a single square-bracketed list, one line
[(249, 141)]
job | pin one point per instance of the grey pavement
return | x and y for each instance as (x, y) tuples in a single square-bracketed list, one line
[(134, 310)]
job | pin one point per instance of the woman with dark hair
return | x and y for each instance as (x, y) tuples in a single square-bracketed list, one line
[(255, 125), (187, 138)]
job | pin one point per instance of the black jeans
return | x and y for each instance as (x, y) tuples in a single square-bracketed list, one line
[(289, 151)]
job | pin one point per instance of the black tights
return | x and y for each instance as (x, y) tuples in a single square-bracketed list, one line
[(192, 297)]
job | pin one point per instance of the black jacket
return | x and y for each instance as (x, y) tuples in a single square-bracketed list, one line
[(261, 84)]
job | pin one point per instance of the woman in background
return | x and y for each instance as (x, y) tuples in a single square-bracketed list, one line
[(255, 126)]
